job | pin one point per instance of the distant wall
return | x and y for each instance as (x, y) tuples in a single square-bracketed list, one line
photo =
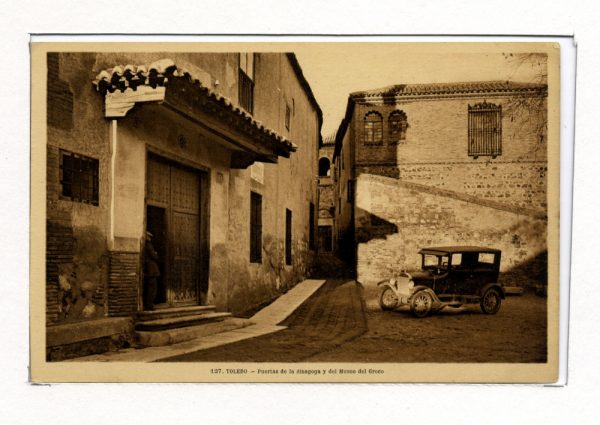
[(395, 219)]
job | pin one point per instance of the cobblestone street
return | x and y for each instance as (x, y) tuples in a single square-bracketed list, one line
[(342, 322), (331, 317)]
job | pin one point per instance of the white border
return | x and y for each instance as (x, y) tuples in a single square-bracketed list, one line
[(567, 127), (259, 404)]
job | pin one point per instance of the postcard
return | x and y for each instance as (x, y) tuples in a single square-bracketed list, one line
[(295, 212)]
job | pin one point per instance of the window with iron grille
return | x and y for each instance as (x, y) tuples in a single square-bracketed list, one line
[(397, 124), (288, 237), (79, 177), (255, 228), (373, 129), (246, 81), (485, 130)]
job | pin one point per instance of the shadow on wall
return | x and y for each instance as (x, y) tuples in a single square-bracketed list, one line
[(370, 226), (529, 273)]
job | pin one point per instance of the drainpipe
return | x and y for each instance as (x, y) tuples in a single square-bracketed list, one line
[(111, 179)]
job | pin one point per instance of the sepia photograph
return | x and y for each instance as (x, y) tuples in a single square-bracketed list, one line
[(295, 212)]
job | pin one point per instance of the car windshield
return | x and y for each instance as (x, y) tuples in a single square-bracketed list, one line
[(431, 261)]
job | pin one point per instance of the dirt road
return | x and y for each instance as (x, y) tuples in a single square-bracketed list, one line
[(342, 322)]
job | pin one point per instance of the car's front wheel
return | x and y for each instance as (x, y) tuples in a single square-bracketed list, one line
[(388, 300), (421, 304), (491, 301)]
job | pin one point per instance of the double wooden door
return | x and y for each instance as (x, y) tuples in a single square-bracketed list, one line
[(173, 208)]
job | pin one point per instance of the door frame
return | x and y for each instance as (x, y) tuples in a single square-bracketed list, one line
[(204, 176)]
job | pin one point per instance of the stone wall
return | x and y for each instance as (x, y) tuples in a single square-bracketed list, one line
[(435, 150), (395, 219), (76, 260)]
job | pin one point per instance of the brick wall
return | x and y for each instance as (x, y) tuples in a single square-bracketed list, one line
[(435, 150), (326, 200), (59, 96), (59, 250), (123, 281), (395, 219)]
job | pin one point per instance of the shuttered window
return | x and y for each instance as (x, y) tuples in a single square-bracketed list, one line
[(246, 81), (255, 228), (373, 129), (485, 130)]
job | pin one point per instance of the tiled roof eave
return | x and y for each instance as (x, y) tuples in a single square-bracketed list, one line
[(441, 89), (130, 84), (446, 95)]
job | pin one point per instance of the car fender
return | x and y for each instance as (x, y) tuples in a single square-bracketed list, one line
[(402, 297), (420, 288), (493, 285)]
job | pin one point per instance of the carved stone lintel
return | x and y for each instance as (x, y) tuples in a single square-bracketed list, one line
[(117, 104)]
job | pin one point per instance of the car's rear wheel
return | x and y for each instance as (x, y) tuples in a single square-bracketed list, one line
[(388, 300), (421, 304), (491, 301)]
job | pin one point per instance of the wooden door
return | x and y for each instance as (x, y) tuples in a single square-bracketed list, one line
[(177, 190)]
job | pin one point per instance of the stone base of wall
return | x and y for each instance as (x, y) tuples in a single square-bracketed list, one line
[(123, 283), (90, 337), (394, 220)]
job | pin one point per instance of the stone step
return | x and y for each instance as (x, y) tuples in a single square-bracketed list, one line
[(164, 313), (174, 336), (180, 322)]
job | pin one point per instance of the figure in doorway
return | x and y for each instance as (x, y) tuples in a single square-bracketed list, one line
[(151, 273)]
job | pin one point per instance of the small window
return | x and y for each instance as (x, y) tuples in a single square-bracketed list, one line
[(79, 177), (485, 130), (246, 81), (288, 237), (397, 127), (486, 258), (255, 228), (373, 129), (457, 260), (288, 117), (324, 167)]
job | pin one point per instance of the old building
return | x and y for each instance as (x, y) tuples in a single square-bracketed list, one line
[(326, 195), (200, 150), (442, 164)]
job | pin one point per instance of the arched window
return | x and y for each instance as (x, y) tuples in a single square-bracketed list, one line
[(397, 126), (324, 167), (373, 129)]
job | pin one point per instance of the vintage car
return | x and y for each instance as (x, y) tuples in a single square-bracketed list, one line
[(449, 277)]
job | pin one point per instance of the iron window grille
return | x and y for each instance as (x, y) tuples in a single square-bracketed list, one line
[(373, 129), (485, 130), (255, 228), (246, 81), (397, 126), (79, 177), (288, 237)]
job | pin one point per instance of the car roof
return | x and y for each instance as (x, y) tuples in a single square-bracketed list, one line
[(456, 249)]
